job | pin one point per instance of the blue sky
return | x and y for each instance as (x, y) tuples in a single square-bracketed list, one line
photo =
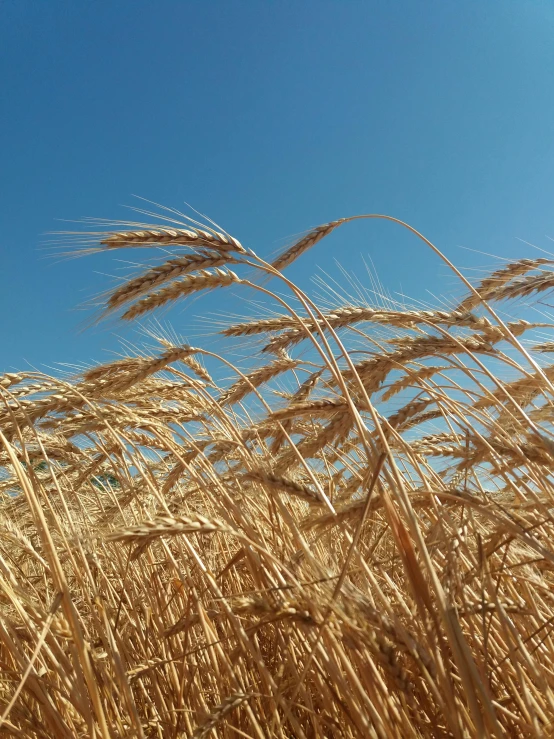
[(271, 117)]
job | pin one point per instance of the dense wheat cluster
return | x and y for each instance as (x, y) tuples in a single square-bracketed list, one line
[(352, 535)]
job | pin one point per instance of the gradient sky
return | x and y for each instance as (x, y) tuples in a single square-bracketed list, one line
[(271, 117)]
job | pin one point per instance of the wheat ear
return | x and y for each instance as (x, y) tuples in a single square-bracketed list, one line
[(305, 243), (170, 237), (203, 280)]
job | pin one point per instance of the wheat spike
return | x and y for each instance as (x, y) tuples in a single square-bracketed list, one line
[(240, 389), (203, 280), (170, 237), (494, 283), (305, 243), (284, 484), (166, 272), (218, 714)]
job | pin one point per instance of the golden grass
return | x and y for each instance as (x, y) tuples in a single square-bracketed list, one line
[(352, 537)]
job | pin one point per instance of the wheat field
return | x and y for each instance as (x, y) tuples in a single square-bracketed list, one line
[(351, 534)]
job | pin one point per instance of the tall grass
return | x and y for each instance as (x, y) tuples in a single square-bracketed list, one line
[(352, 536)]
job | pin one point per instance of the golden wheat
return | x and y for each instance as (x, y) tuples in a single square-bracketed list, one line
[(288, 552)]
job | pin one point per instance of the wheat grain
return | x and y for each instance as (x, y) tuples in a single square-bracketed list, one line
[(170, 237), (494, 283), (229, 704), (411, 409), (305, 243), (310, 407), (285, 485), (412, 377), (523, 287), (166, 272), (204, 280), (167, 526), (523, 390), (351, 315), (240, 389), (10, 379), (545, 347)]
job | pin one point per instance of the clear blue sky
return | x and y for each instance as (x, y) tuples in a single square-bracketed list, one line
[(271, 117)]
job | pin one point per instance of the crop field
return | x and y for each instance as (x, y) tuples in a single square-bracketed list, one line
[(351, 536)]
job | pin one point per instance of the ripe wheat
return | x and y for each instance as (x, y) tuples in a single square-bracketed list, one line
[(191, 548)]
